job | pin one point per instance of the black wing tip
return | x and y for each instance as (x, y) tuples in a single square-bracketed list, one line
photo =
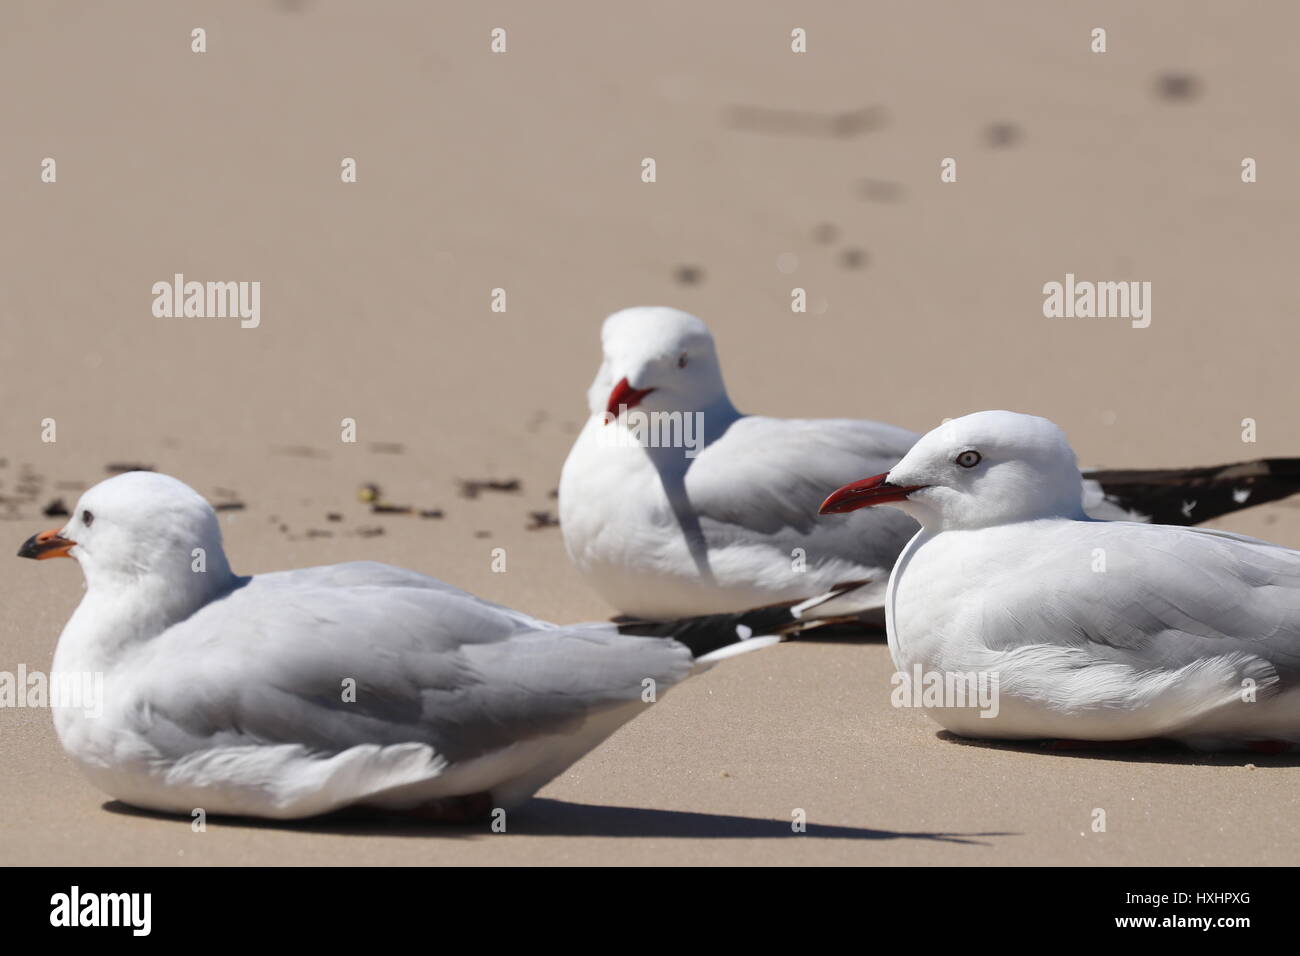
[(711, 632), (1188, 496)]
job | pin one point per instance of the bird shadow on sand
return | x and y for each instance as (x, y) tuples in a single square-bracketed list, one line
[(547, 817), (544, 817), (1143, 751)]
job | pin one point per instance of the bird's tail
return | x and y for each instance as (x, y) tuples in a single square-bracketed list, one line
[(1188, 496), (712, 637)]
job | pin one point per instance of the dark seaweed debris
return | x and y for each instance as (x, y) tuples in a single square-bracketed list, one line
[(542, 519), (472, 487)]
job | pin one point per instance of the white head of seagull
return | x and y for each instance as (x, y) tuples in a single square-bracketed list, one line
[(657, 358), (978, 471), (140, 528)]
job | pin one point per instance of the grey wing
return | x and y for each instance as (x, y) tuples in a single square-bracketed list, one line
[(768, 473), (1163, 597), (289, 659), (358, 574), (769, 476)]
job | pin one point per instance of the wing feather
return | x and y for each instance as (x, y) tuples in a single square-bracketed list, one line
[(268, 663), (1167, 597)]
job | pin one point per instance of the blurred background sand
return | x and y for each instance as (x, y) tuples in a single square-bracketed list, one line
[(522, 171)]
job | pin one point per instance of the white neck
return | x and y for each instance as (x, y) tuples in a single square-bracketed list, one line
[(117, 615)]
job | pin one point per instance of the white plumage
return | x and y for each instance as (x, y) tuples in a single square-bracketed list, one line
[(1094, 630), (660, 533), (296, 693)]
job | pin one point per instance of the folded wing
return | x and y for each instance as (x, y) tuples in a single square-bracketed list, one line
[(332, 658)]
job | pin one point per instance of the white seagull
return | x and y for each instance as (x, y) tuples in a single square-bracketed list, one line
[(1088, 630), (706, 510), (298, 693), (674, 503)]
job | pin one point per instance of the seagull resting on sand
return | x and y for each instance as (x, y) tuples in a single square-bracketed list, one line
[(1088, 630), (298, 693)]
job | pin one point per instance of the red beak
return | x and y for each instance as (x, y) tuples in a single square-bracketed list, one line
[(624, 395), (865, 493)]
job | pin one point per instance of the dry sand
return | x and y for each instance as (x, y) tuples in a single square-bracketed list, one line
[(522, 171)]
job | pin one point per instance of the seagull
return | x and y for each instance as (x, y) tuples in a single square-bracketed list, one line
[(1089, 630), (720, 516), (298, 693), (674, 503)]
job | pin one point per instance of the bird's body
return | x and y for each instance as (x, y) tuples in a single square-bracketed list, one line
[(1106, 630), (706, 510), (1088, 630), (297, 693), (659, 535)]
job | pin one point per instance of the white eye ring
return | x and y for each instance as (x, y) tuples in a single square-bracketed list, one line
[(968, 459)]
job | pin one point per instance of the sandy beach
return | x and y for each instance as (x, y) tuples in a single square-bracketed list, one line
[(522, 171)]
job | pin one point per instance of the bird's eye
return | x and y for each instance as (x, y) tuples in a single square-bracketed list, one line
[(681, 360), (87, 518), (968, 459)]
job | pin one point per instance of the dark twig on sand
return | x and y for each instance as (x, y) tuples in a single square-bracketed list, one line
[(843, 125)]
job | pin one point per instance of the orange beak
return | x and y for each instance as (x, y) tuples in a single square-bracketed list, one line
[(47, 544)]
